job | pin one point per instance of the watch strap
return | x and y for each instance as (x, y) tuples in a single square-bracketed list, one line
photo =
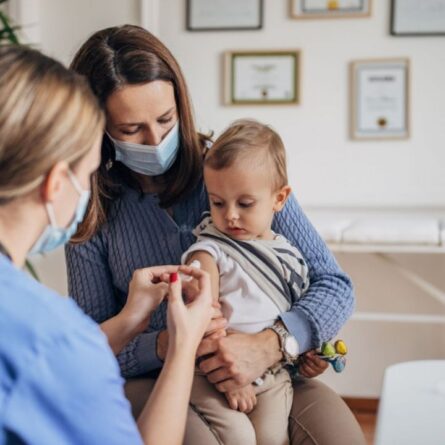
[(283, 334)]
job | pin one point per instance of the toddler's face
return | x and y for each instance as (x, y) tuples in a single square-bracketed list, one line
[(242, 202)]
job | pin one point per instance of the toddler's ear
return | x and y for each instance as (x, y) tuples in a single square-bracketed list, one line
[(281, 197)]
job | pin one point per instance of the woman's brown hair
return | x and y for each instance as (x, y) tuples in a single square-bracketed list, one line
[(129, 55), (47, 115)]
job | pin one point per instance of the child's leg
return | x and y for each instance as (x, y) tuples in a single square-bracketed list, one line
[(229, 426), (271, 414)]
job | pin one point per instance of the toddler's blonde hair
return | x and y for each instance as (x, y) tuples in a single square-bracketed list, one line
[(251, 141)]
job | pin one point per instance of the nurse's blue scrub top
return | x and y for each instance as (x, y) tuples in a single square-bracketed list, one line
[(59, 381)]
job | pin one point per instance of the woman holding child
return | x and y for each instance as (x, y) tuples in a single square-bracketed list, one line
[(147, 197)]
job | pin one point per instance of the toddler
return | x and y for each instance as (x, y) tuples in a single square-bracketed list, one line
[(256, 275)]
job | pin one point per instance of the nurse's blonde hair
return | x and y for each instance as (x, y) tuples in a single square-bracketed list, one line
[(47, 114)]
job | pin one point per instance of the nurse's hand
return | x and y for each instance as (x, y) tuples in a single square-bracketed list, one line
[(147, 289), (187, 323), (217, 325), (164, 416), (215, 328), (190, 289)]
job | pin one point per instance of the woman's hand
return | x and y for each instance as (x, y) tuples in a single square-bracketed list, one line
[(238, 358), (187, 323), (311, 365)]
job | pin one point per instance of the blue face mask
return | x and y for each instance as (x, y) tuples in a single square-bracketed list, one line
[(150, 160), (53, 236)]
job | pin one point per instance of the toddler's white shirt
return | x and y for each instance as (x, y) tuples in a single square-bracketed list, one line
[(243, 303)]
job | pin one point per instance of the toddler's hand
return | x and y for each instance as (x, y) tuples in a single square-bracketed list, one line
[(311, 365), (243, 399)]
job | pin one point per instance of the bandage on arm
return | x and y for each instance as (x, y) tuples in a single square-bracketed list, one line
[(207, 263)]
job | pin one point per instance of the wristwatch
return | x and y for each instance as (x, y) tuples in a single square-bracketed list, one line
[(288, 344)]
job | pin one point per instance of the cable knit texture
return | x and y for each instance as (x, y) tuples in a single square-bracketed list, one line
[(140, 234)]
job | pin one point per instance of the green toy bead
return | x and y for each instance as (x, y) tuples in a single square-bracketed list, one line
[(327, 349)]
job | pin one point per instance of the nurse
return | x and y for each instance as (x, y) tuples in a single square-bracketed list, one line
[(59, 380)]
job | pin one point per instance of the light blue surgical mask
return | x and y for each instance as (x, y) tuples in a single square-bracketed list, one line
[(53, 236), (150, 160)]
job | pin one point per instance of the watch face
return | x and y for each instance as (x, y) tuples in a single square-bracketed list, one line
[(291, 346)]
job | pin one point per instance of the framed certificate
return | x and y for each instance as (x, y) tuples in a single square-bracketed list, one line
[(321, 9), (262, 77), (418, 17), (380, 99), (224, 15)]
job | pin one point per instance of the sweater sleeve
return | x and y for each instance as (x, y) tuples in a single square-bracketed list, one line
[(90, 285), (329, 301)]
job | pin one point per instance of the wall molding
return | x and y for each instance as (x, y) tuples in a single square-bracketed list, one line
[(149, 14), (26, 14)]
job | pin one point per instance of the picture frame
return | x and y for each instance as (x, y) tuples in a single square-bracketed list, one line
[(417, 18), (262, 77), (380, 99), (325, 9), (224, 15)]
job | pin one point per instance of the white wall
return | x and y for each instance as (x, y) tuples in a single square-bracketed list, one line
[(325, 167), (66, 24)]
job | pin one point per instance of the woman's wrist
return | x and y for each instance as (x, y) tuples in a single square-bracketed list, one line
[(270, 344)]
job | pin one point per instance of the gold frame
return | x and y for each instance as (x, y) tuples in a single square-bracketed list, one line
[(327, 14), (229, 76), (353, 96)]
